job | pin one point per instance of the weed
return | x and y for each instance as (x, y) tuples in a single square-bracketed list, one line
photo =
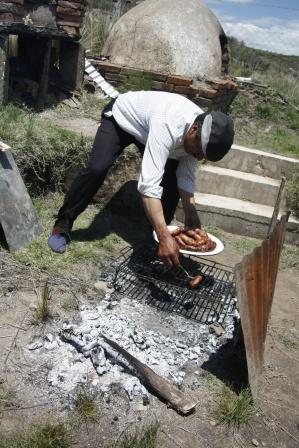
[(293, 194), (289, 257), (95, 30), (86, 405), (287, 342), (232, 409), (245, 245), (146, 438), (46, 435), (69, 303), (42, 312), (7, 398)]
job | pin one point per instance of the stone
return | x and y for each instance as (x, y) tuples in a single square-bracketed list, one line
[(35, 345), (255, 442), (216, 329), (168, 36)]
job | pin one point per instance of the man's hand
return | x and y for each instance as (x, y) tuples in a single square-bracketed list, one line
[(192, 219), (168, 250), (191, 215)]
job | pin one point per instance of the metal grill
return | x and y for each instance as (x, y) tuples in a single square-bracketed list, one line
[(141, 275)]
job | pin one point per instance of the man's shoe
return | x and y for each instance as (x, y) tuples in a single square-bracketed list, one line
[(57, 242)]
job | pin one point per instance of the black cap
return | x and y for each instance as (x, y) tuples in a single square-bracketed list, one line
[(216, 132)]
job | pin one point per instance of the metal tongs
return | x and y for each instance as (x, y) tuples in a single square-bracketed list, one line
[(186, 273)]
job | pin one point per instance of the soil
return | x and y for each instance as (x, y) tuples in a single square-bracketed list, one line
[(275, 423)]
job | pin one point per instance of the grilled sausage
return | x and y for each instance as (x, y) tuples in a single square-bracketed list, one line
[(177, 231), (195, 281)]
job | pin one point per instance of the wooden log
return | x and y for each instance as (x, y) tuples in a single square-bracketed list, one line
[(160, 386)]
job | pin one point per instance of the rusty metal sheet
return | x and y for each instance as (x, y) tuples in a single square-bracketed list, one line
[(255, 280)]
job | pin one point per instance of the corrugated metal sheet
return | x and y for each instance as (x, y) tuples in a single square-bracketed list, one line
[(255, 280)]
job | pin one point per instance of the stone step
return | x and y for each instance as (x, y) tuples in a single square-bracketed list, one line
[(213, 179), (237, 216), (258, 162)]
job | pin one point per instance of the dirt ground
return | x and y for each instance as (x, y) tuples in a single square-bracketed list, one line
[(275, 423), (276, 415)]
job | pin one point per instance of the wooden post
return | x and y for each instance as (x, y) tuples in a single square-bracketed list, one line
[(44, 77), (4, 69)]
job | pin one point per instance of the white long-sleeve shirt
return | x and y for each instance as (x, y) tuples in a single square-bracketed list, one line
[(160, 121)]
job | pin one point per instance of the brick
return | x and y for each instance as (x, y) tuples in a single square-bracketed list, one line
[(183, 90), (107, 67), (69, 11), (203, 102), (73, 5), (155, 76), (112, 77), (158, 85), (131, 71), (179, 80), (207, 93)]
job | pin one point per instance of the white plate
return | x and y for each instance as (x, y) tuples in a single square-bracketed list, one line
[(219, 245)]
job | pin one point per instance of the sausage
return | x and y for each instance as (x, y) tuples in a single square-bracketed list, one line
[(177, 231), (180, 241), (191, 233), (195, 281), (187, 239)]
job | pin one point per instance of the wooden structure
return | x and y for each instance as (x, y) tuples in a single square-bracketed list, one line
[(47, 39), (255, 280)]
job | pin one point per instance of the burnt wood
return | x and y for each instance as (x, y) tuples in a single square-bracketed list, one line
[(11, 27)]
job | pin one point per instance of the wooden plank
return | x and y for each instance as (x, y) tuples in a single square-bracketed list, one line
[(44, 78)]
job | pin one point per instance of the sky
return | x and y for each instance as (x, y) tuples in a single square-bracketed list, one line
[(271, 25)]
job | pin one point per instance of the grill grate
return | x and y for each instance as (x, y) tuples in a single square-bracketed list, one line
[(140, 275)]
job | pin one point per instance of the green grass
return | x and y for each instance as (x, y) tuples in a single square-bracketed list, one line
[(289, 257), (47, 435), (8, 398), (145, 438), (94, 249), (287, 342), (231, 409), (86, 405), (263, 122), (44, 153), (42, 311)]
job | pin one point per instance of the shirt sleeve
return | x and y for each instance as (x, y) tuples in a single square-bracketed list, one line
[(186, 173), (158, 146)]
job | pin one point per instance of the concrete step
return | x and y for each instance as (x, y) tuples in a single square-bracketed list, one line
[(258, 162), (213, 179), (237, 216)]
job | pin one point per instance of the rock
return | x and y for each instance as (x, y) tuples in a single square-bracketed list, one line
[(35, 345), (255, 442), (153, 36), (102, 287), (216, 329)]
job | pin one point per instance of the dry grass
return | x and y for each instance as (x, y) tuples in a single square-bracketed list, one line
[(42, 311), (44, 435), (145, 438)]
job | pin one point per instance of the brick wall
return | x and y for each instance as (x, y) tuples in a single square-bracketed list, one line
[(209, 94)]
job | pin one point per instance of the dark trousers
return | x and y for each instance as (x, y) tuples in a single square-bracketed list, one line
[(109, 143)]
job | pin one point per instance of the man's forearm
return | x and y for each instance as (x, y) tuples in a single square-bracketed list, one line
[(168, 248), (154, 211)]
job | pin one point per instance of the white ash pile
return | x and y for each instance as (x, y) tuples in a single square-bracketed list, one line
[(164, 342)]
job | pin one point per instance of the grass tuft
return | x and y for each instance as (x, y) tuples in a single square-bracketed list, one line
[(146, 438), (86, 405), (8, 398), (42, 312), (50, 435), (232, 409)]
